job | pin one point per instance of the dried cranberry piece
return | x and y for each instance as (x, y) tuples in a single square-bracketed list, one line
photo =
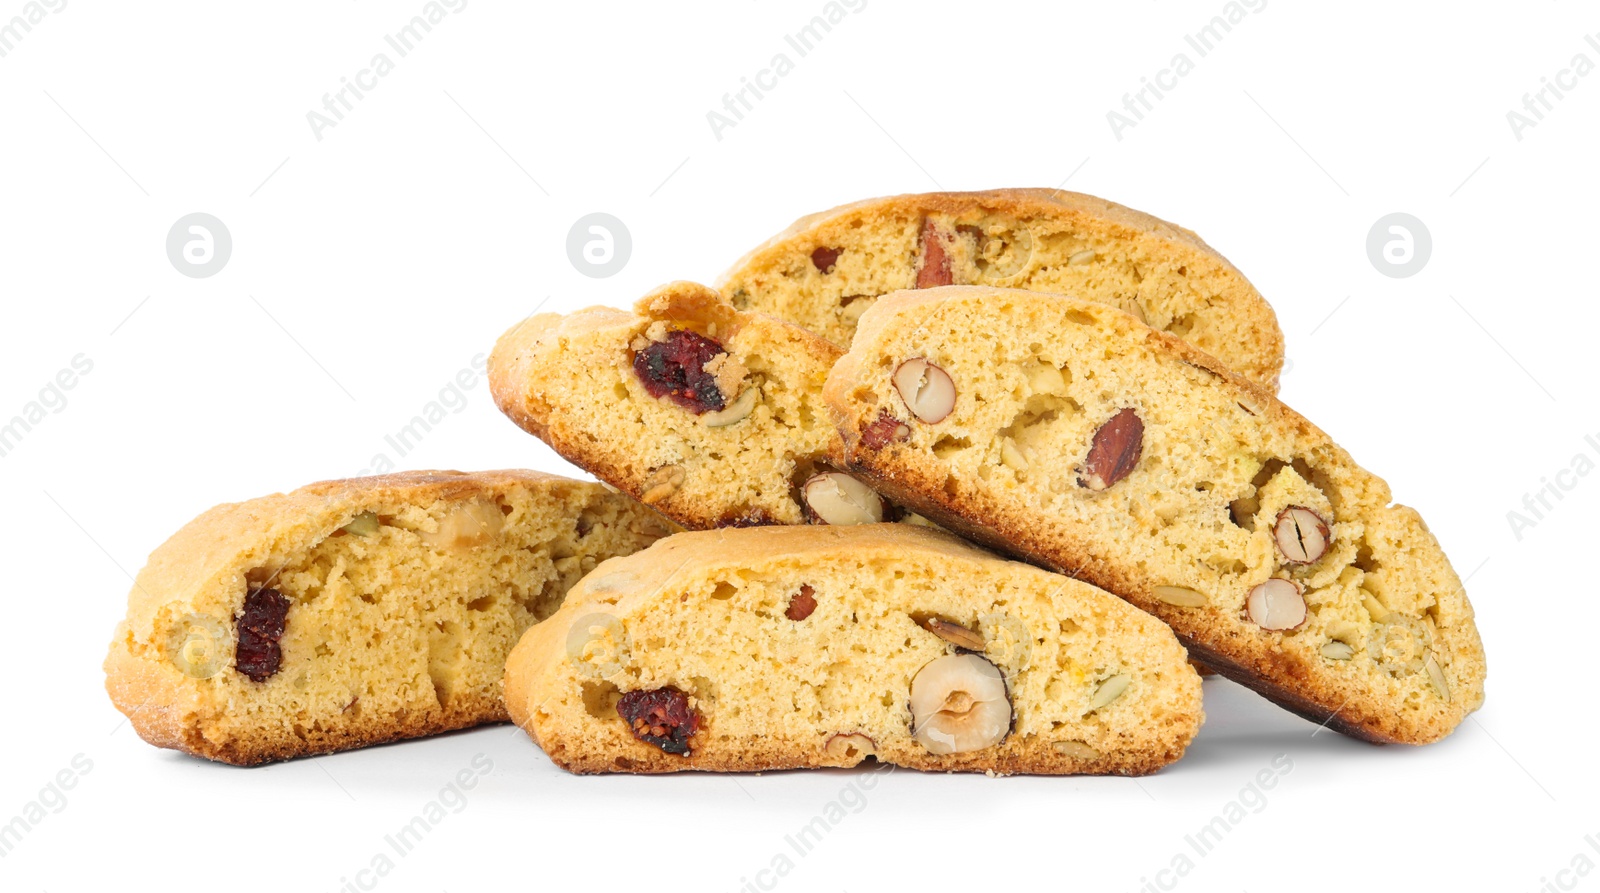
[(260, 627), (883, 429), (802, 603), (824, 258), (675, 369), (661, 717)]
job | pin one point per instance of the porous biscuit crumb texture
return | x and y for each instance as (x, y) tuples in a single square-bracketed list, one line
[(827, 269), (724, 441), (1086, 442), (813, 646), (404, 594)]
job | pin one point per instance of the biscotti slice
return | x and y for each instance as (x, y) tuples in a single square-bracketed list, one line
[(711, 416), (1071, 435), (792, 647), (354, 612), (827, 269)]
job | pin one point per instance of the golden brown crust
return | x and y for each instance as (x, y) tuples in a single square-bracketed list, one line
[(907, 474), (1021, 200), (658, 588), (166, 716), (542, 381), (1252, 345), (204, 569)]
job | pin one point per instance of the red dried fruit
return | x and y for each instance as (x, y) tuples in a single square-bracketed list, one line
[(802, 603), (260, 627), (934, 268), (824, 258), (882, 430), (675, 369), (1114, 452), (661, 717)]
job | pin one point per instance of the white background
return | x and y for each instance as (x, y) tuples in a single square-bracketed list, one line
[(370, 266)]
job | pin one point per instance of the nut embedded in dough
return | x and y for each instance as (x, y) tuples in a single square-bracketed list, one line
[(1301, 534), (837, 498), (364, 524), (801, 604), (1114, 451), (959, 703), (662, 483), (852, 746), (737, 411), (884, 430), (933, 262), (466, 526), (1179, 596), (927, 390), (1338, 651), (1436, 676), (1110, 690), (1277, 605), (955, 634), (597, 644), (1077, 750)]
